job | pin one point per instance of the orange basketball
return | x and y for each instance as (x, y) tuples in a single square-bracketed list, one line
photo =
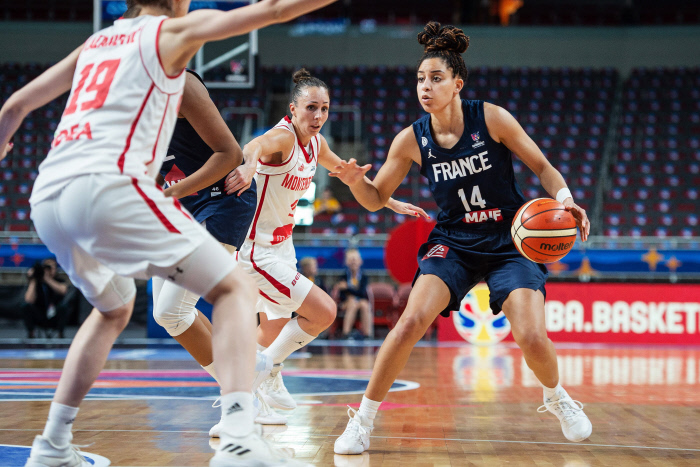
[(543, 230)]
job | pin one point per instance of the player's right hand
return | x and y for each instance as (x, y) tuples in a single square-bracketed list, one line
[(7, 149), (240, 179)]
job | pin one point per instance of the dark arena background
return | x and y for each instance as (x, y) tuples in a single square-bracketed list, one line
[(610, 92)]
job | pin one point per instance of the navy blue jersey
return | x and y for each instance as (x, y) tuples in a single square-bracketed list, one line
[(227, 217), (473, 182)]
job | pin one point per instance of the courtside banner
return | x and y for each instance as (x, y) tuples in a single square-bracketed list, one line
[(611, 313)]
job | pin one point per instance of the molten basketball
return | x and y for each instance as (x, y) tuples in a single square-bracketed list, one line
[(543, 230)]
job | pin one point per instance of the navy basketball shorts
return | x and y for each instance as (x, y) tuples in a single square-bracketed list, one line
[(463, 259), (230, 222)]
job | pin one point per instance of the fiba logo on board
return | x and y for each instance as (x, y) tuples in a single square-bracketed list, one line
[(476, 323)]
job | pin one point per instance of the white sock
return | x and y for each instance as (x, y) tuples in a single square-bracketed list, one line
[(368, 409), (261, 347), (290, 339), (210, 369), (59, 424), (237, 413), (549, 393)]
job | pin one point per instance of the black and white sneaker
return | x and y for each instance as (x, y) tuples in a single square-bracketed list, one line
[(250, 451)]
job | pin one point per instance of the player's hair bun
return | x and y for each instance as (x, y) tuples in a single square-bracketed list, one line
[(301, 75), (436, 38)]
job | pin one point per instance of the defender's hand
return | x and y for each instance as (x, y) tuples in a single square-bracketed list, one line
[(349, 172), (7, 149), (240, 179)]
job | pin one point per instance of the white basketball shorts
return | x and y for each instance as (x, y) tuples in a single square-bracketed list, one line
[(104, 228), (282, 288)]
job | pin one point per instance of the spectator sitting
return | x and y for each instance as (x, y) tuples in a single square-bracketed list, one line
[(326, 203), (45, 299), (309, 268), (353, 295)]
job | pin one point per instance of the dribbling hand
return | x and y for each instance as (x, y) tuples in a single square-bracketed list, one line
[(7, 149), (349, 172), (239, 179), (408, 209), (580, 217)]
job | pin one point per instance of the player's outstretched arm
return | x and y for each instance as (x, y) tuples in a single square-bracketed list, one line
[(180, 38), (40, 91), (504, 128), (331, 160), (375, 194), (200, 111), (274, 145)]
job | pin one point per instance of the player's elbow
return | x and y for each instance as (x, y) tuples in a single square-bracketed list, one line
[(15, 107)]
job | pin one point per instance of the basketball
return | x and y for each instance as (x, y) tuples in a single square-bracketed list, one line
[(543, 230)]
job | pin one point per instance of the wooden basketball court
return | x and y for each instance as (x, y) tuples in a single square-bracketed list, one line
[(454, 406)]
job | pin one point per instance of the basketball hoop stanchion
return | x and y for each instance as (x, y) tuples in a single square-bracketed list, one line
[(242, 72)]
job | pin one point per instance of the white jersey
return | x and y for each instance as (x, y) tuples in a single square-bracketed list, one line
[(121, 111), (280, 186)]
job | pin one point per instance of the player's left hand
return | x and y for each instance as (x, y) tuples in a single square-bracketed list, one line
[(7, 149), (240, 179), (580, 217), (408, 209)]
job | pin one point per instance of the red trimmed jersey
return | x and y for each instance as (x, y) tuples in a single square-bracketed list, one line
[(280, 186), (121, 111)]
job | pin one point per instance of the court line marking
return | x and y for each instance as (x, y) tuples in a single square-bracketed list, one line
[(468, 440)]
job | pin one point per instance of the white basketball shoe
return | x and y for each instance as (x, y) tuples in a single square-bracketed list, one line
[(46, 454), (355, 438), (274, 391), (266, 414), (250, 451), (574, 423)]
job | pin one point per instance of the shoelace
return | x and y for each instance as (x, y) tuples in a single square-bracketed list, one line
[(355, 424), (568, 407), (217, 402)]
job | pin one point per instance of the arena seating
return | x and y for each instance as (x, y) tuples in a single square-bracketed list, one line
[(652, 182), (655, 179)]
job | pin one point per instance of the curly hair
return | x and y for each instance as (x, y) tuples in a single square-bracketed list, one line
[(302, 79), (447, 43)]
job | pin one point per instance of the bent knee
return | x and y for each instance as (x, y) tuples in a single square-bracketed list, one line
[(533, 342), (410, 329), (120, 316), (330, 311), (174, 319)]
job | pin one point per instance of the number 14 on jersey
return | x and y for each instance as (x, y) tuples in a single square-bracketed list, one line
[(476, 200)]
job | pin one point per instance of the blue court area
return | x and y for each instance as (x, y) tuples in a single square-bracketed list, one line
[(164, 353), (14, 456), (174, 384)]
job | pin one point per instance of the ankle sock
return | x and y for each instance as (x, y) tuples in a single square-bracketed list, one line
[(237, 413), (368, 409), (550, 393), (60, 423)]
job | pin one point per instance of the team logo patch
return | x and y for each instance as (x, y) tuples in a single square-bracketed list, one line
[(424, 141), (475, 136), (475, 321), (301, 167), (436, 251)]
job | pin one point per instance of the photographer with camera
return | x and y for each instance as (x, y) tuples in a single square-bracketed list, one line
[(44, 299)]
